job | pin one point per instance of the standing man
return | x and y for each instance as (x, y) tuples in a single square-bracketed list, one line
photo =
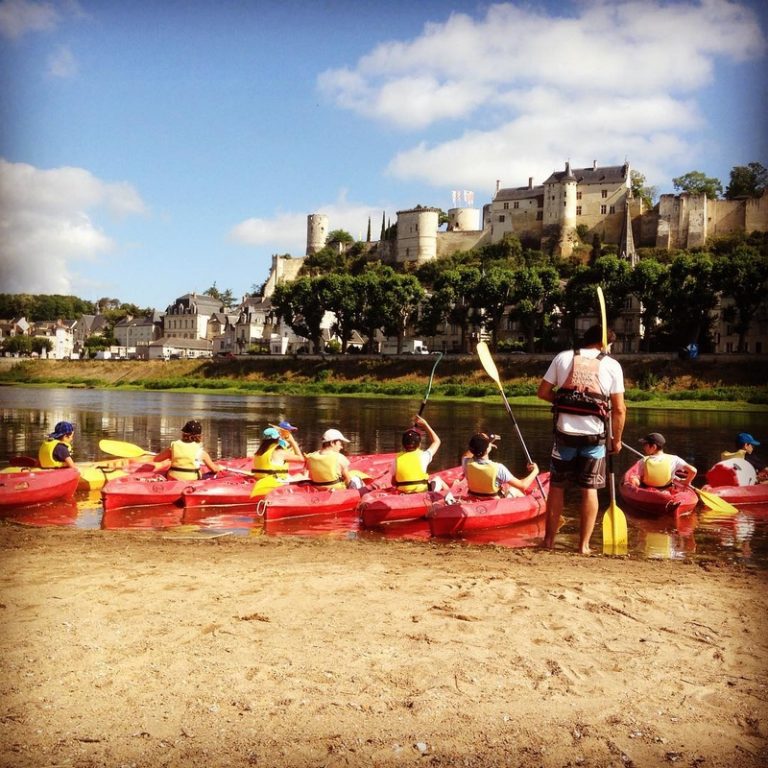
[(586, 389)]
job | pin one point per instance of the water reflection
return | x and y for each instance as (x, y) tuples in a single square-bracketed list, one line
[(233, 424)]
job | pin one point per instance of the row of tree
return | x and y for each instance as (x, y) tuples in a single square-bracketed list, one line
[(489, 288)]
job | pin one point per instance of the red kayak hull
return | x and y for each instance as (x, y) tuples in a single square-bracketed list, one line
[(235, 490), (655, 502), (143, 489), (305, 500), (470, 514), (389, 506), (723, 481), (740, 495), (28, 486)]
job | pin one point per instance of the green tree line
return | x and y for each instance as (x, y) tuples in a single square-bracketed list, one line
[(490, 287)]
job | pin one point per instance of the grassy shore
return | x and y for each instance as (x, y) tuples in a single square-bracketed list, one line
[(657, 381)]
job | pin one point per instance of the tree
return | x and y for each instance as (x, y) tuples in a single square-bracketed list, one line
[(749, 180), (697, 183), (492, 297), (646, 283), (452, 302), (401, 295), (296, 303), (535, 291), (338, 293), (17, 345), (743, 275), (689, 296), (640, 190), (368, 235), (339, 238)]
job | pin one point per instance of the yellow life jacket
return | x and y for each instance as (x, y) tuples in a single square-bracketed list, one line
[(733, 454), (264, 464), (45, 454), (481, 478), (185, 460), (324, 470), (409, 475), (657, 471)]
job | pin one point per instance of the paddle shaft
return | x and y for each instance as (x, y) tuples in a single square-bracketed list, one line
[(429, 385), (490, 368)]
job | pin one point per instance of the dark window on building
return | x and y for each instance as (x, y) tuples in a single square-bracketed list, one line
[(602, 209), (604, 193)]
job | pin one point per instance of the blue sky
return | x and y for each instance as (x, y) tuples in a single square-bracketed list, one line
[(150, 149)]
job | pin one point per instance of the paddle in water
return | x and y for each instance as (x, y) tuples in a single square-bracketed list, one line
[(614, 520)]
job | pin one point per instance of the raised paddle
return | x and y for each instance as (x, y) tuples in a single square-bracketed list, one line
[(709, 499), (123, 450), (614, 520), (429, 386), (490, 368)]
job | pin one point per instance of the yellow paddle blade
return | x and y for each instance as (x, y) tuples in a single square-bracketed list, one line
[(487, 361), (124, 450), (603, 317), (715, 502), (614, 531), (264, 485)]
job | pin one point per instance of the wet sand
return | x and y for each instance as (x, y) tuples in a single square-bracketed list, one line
[(133, 649)]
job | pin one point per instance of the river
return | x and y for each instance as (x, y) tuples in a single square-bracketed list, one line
[(232, 426)]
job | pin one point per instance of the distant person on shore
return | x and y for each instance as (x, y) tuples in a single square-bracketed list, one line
[(410, 469), (328, 467), (659, 469), (277, 447), (56, 450), (490, 478), (187, 455), (586, 389)]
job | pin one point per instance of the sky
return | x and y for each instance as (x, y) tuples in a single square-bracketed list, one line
[(152, 149)]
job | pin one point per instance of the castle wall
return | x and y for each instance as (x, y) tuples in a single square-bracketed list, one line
[(449, 243), (756, 214)]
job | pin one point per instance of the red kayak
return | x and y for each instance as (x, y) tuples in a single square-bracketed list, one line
[(644, 500), (235, 490), (143, 489), (470, 514), (390, 506), (735, 481), (37, 486)]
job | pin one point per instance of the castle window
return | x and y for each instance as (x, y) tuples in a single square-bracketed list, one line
[(506, 206), (603, 209), (603, 193), (612, 209), (578, 195), (516, 205), (578, 210), (501, 218)]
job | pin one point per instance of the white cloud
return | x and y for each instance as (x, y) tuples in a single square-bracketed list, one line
[(17, 17), (287, 232), (62, 63), (605, 79), (46, 228)]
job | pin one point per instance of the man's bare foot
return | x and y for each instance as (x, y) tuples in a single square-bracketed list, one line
[(585, 551)]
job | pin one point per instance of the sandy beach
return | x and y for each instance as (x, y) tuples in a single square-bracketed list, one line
[(130, 649)]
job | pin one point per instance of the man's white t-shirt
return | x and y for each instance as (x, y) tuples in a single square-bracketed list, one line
[(611, 379)]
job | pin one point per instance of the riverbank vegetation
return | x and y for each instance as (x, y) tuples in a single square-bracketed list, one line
[(652, 380)]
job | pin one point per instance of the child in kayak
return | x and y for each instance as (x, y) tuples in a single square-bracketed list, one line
[(188, 455), (410, 467), (56, 450), (659, 469), (328, 467), (489, 478), (278, 445)]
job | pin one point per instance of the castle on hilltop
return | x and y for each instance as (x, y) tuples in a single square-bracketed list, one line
[(568, 210)]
